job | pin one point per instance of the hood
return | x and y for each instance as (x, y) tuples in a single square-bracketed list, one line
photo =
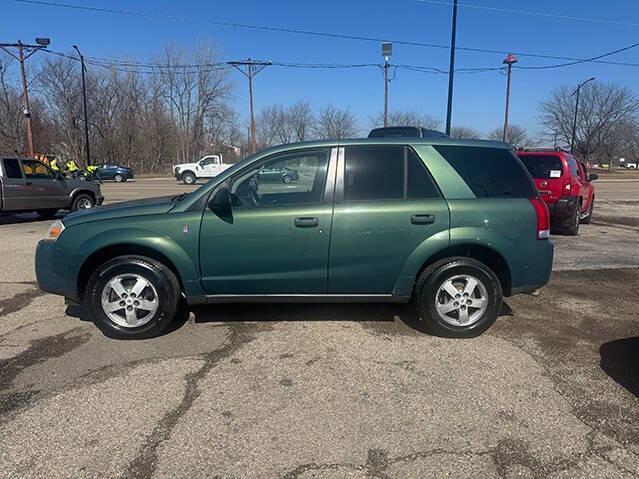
[(146, 206), (185, 165), (78, 183)]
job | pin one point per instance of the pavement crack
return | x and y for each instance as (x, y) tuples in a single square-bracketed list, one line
[(145, 463)]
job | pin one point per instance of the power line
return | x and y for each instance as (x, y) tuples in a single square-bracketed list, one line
[(537, 14), (307, 32)]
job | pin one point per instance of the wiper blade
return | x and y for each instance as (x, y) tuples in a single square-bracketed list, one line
[(179, 197)]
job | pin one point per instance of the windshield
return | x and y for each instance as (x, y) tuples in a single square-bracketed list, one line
[(542, 167)]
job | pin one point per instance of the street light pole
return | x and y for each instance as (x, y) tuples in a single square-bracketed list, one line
[(510, 60), (574, 123), (86, 115), (387, 50), (21, 57), (451, 72)]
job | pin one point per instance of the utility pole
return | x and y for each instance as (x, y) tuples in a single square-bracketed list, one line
[(510, 60), (387, 51), (451, 72), (22, 57), (86, 115), (574, 123), (253, 68)]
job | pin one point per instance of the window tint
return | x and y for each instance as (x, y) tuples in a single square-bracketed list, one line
[(289, 179), (573, 166), (12, 168), (373, 173), (385, 173), (419, 181), (35, 169), (543, 167), (489, 172)]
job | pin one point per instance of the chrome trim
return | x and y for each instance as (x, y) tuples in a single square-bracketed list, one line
[(339, 181), (305, 298), (329, 188)]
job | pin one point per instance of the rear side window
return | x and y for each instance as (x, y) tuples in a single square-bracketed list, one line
[(385, 173), (542, 167), (12, 168), (573, 166), (489, 172)]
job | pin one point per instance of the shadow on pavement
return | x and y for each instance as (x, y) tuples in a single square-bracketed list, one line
[(620, 361), (12, 219)]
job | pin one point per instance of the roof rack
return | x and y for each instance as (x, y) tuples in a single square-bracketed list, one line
[(405, 132), (541, 148)]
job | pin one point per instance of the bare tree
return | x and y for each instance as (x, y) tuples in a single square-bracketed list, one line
[(464, 132), (11, 122), (602, 108), (517, 136), (336, 123), (301, 120), (405, 118)]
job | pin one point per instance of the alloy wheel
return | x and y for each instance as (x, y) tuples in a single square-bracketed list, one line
[(461, 300), (129, 300)]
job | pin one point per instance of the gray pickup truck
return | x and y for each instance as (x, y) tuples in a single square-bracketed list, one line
[(29, 185)]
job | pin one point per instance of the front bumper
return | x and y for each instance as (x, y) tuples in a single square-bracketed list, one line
[(178, 175), (563, 209), (99, 199), (47, 280)]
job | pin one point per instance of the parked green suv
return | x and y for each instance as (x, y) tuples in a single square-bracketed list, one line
[(453, 225)]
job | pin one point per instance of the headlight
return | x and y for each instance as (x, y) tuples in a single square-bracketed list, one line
[(55, 230)]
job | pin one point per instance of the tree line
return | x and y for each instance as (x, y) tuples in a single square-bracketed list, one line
[(181, 107)]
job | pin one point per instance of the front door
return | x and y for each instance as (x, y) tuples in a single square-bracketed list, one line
[(386, 207), (46, 188), (276, 240)]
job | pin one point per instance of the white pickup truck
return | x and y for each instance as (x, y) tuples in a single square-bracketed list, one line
[(207, 167)]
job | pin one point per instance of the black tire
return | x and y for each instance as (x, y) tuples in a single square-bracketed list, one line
[(82, 202), (570, 227), (47, 214), (427, 294), (118, 178), (157, 274), (588, 218), (286, 179), (189, 178)]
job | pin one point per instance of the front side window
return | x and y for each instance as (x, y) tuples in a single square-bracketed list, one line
[(287, 179), (489, 172), (209, 161), (34, 169), (12, 168), (385, 173)]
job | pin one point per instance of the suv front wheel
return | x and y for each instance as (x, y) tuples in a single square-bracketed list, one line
[(132, 297), (458, 297)]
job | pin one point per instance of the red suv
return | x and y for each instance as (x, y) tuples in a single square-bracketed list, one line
[(563, 184)]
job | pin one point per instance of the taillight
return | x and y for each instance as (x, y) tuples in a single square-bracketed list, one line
[(543, 218)]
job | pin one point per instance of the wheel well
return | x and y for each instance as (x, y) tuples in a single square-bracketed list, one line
[(187, 171), (105, 254), (80, 192), (483, 254)]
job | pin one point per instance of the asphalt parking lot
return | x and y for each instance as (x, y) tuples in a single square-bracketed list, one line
[(331, 391)]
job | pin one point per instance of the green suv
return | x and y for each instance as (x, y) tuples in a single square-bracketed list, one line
[(453, 225)]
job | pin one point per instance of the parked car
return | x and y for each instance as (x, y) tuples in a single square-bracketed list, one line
[(208, 167), (563, 184), (110, 171), (453, 224), (277, 173), (29, 185)]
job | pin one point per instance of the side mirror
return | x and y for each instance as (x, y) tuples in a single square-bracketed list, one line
[(221, 205), (593, 177)]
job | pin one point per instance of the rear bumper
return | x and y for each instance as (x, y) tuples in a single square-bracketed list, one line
[(564, 208), (47, 280), (537, 273)]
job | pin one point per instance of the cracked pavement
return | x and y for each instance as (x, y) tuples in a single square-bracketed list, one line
[(330, 391)]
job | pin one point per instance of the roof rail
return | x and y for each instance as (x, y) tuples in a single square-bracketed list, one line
[(542, 148)]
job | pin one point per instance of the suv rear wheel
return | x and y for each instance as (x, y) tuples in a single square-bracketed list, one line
[(458, 297), (132, 297)]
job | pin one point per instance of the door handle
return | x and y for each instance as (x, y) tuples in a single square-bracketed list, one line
[(306, 222), (422, 219)]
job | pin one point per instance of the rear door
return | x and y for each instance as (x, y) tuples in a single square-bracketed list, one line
[(14, 190), (585, 187), (386, 206)]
